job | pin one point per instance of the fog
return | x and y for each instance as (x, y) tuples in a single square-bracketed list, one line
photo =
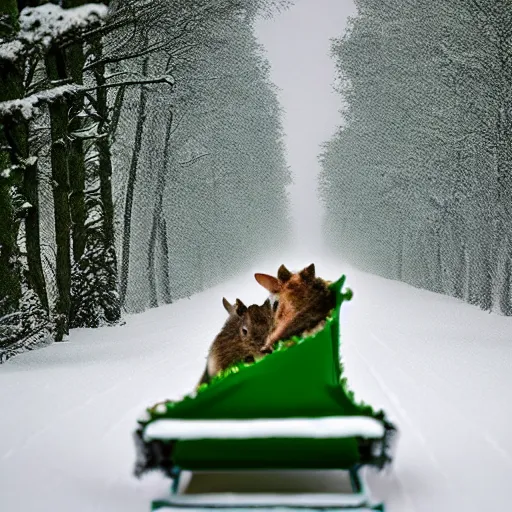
[(298, 48)]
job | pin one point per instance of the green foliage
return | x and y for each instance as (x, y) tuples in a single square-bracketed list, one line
[(94, 299), (8, 18), (25, 329)]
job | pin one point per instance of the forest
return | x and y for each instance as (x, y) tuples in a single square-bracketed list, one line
[(417, 179), (141, 158)]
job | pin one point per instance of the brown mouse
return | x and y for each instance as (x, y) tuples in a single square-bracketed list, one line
[(304, 303), (241, 337)]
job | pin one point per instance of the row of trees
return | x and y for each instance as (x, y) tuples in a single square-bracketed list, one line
[(140, 158), (417, 181), (221, 185)]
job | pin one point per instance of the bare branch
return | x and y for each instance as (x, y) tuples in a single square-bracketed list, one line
[(158, 80), (193, 160)]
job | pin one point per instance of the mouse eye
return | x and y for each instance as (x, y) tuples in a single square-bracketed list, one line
[(274, 306)]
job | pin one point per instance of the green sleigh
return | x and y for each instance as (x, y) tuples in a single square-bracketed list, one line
[(288, 411)]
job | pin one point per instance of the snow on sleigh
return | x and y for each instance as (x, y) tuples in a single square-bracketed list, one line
[(291, 410)]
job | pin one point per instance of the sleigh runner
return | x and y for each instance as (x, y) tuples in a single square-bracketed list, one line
[(288, 411)]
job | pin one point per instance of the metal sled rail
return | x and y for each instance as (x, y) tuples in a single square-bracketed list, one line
[(359, 500), (268, 500)]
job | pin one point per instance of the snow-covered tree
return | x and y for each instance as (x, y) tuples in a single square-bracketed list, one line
[(10, 286), (23, 299), (411, 178), (217, 198), (119, 136)]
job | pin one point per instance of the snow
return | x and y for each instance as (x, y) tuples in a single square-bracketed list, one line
[(268, 500), (9, 51), (258, 429), (47, 22), (41, 25), (28, 105), (439, 367)]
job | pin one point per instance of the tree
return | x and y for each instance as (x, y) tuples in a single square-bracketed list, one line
[(184, 234), (415, 180), (73, 74), (10, 280)]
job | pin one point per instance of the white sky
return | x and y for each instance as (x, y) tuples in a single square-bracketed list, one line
[(298, 48)]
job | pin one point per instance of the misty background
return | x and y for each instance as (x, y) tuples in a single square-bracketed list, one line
[(305, 73), (150, 151)]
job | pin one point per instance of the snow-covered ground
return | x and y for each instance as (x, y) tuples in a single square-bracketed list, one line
[(442, 369)]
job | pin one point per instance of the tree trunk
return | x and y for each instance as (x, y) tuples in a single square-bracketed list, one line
[(162, 226), (156, 230), (105, 170), (166, 281), (105, 157), (17, 133), (158, 233), (486, 286), (400, 255), (56, 70), (105, 175), (153, 296), (459, 267), (130, 188), (479, 285), (116, 113), (467, 275), (32, 233), (75, 62), (76, 160), (199, 257), (10, 286)]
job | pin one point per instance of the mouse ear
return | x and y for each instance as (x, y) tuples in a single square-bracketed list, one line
[(283, 274), (308, 273), (227, 306), (268, 282), (240, 307)]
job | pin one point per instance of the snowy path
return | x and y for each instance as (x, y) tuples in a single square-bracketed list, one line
[(442, 369)]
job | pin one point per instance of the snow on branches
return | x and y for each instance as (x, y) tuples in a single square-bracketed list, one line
[(48, 23), (27, 106), (11, 50)]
